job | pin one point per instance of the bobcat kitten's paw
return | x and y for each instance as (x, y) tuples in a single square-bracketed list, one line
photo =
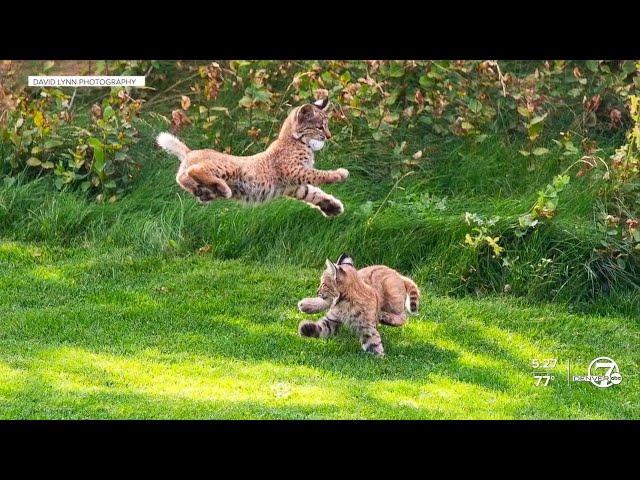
[(204, 195), (308, 329), (343, 173), (375, 349), (331, 207)]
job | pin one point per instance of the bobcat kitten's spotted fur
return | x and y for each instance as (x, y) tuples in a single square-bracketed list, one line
[(285, 168), (359, 305), (397, 292)]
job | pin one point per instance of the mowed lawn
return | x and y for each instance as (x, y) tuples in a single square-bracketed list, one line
[(100, 332)]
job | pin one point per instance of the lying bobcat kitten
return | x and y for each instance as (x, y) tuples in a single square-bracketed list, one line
[(396, 292), (284, 168), (358, 304)]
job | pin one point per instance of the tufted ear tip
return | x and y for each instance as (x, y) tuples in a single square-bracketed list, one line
[(345, 259), (322, 103)]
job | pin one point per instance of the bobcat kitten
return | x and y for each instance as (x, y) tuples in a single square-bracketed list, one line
[(354, 303), (285, 168), (396, 292)]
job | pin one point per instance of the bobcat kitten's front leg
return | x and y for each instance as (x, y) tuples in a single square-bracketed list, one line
[(314, 176), (329, 205), (313, 305), (325, 327), (370, 340)]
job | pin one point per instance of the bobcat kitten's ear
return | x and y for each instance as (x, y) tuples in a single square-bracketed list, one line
[(305, 113), (333, 269), (345, 259), (322, 104)]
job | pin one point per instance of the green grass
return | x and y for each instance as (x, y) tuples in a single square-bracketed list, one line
[(111, 333), (382, 224), (111, 311)]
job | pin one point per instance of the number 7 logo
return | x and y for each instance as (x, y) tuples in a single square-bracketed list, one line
[(611, 376)]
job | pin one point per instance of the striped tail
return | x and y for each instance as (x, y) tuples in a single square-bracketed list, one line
[(413, 295)]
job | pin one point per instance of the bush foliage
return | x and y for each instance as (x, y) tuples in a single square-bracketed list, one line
[(586, 113)]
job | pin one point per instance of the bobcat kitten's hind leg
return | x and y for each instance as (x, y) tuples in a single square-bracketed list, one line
[(210, 185), (393, 319), (329, 205), (203, 194)]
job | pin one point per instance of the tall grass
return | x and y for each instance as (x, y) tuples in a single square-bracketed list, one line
[(383, 221)]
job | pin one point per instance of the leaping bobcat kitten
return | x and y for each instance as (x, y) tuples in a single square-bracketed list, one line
[(285, 168)]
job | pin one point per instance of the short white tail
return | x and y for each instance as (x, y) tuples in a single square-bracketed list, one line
[(172, 145)]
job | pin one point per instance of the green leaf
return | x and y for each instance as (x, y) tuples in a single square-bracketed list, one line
[(592, 65), (47, 165), (574, 92), (245, 102), (107, 113), (34, 162), (540, 151), (396, 69), (538, 119), (475, 106), (561, 181), (628, 66), (49, 144), (98, 154)]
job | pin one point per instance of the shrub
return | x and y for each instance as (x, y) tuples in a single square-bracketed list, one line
[(41, 135)]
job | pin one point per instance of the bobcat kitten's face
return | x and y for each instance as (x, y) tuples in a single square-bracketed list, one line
[(328, 289), (311, 124)]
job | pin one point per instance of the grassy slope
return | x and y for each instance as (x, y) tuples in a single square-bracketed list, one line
[(109, 311)]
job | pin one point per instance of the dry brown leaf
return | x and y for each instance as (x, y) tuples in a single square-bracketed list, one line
[(254, 132), (593, 104), (616, 117), (96, 112), (178, 119), (321, 93), (185, 102)]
